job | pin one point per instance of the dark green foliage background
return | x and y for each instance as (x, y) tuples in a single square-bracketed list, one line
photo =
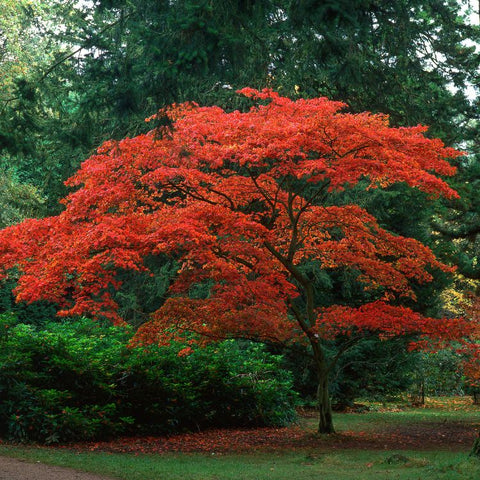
[(115, 63)]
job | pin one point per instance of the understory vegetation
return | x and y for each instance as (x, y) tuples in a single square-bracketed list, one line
[(64, 382)]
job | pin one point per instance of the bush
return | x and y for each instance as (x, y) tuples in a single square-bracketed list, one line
[(227, 384), (80, 381)]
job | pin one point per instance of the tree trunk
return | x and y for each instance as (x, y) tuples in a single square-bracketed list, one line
[(325, 421)]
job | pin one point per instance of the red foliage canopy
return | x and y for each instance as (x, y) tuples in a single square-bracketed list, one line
[(240, 200)]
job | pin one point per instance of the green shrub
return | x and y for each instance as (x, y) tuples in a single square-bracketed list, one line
[(41, 415), (227, 384), (80, 381)]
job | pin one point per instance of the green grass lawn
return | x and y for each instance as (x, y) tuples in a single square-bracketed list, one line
[(375, 421), (329, 461), (358, 465)]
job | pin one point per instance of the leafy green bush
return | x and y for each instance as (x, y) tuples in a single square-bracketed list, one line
[(226, 384), (80, 381)]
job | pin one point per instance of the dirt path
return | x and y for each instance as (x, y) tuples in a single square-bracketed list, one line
[(12, 469)]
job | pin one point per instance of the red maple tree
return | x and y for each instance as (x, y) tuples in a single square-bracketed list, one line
[(242, 202)]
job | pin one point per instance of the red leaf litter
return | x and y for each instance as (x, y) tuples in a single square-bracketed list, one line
[(452, 435), (218, 440)]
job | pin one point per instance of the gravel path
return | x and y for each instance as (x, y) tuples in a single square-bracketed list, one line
[(13, 469)]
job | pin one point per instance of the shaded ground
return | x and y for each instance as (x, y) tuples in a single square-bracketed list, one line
[(423, 436)]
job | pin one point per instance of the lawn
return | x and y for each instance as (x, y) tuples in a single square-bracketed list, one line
[(390, 443)]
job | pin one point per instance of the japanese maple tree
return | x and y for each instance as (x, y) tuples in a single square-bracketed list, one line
[(241, 201)]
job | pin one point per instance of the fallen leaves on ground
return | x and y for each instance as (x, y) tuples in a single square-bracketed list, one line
[(424, 436)]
